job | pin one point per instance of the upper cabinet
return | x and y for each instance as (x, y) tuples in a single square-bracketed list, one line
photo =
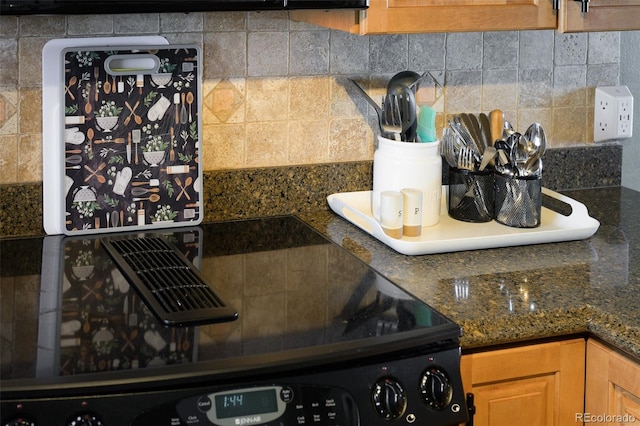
[(429, 16), (601, 15), (425, 16)]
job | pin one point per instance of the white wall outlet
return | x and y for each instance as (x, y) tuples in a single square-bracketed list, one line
[(613, 113)]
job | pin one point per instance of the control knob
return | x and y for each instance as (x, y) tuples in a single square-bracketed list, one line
[(389, 399), (85, 419), (435, 388)]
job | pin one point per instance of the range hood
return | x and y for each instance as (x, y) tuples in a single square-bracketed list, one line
[(93, 7)]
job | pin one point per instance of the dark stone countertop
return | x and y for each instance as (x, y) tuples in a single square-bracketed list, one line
[(520, 294), (498, 296)]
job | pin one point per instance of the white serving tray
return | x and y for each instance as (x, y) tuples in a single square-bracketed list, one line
[(451, 235)]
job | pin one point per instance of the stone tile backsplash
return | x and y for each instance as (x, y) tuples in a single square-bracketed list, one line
[(276, 91)]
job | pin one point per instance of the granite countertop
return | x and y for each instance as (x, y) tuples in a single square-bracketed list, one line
[(498, 296), (519, 294)]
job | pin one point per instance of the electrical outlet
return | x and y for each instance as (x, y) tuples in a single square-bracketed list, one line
[(613, 113)]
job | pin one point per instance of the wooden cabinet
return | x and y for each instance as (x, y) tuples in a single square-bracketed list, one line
[(424, 16), (612, 387), (541, 384), (603, 15), (427, 16)]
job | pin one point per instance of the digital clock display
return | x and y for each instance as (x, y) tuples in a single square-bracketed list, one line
[(246, 403)]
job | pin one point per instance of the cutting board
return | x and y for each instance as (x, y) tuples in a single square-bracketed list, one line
[(131, 138), (53, 71)]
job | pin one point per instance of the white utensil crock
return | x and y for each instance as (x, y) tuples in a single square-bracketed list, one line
[(398, 165)]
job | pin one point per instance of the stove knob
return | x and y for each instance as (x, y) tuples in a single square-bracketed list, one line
[(85, 419), (20, 421), (436, 389), (389, 399)]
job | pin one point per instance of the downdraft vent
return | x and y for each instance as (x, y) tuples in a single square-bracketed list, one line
[(175, 290)]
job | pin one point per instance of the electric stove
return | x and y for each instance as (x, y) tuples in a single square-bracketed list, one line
[(314, 336)]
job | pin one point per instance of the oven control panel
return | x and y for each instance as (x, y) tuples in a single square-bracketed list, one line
[(395, 389), (263, 405)]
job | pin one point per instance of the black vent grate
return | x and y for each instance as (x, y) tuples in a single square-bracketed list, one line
[(172, 287)]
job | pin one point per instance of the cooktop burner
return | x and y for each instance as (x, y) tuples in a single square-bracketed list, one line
[(301, 300)]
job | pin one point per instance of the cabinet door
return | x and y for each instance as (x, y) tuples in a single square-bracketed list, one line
[(531, 385), (423, 16), (612, 386), (603, 15)]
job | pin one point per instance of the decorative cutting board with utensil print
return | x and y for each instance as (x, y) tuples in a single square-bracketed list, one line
[(132, 133)]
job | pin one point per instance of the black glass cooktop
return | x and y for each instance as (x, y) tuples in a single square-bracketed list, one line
[(301, 300)]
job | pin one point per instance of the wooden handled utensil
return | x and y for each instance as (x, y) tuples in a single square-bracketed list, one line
[(90, 137), (172, 152), (96, 77), (183, 189), (152, 182), (95, 172), (190, 101), (139, 192), (116, 140), (87, 106), (154, 198), (72, 81), (496, 120), (132, 113)]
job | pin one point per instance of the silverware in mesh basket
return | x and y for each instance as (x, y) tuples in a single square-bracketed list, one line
[(470, 195), (518, 200)]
